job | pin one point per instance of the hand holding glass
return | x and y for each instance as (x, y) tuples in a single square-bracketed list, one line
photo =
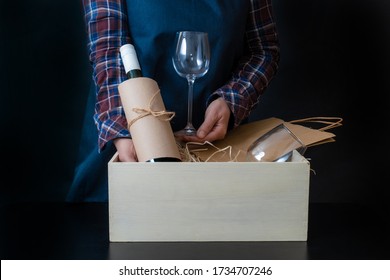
[(191, 61)]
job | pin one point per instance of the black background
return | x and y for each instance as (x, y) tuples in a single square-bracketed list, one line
[(334, 62)]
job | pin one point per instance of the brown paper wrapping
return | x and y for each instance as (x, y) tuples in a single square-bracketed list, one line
[(240, 138), (151, 133)]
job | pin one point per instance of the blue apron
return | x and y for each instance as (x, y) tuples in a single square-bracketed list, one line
[(153, 25)]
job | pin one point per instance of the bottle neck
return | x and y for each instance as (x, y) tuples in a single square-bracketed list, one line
[(134, 73)]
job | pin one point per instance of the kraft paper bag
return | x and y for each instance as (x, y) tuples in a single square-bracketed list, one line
[(236, 143)]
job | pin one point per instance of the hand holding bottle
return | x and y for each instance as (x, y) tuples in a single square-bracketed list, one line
[(126, 150)]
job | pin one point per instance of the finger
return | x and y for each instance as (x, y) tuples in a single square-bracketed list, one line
[(216, 133), (127, 158), (206, 127), (187, 138)]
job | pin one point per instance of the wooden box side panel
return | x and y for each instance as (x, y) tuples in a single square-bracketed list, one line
[(208, 201)]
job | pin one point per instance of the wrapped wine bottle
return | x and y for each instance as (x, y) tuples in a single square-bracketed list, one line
[(149, 122)]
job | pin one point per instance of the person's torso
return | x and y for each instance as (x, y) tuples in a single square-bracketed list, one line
[(153, 25)]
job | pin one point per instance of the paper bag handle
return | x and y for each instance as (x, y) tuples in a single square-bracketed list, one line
[(330, 122)]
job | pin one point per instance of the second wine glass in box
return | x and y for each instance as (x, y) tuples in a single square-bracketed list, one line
[(277, 145)]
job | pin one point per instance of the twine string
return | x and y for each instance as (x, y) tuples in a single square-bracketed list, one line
[(143, 112), (188, 153), (330, 122)]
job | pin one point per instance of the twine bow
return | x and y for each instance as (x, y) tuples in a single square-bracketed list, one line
[(143, 112)]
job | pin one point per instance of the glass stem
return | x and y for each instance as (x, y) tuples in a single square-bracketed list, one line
[(191, 81)]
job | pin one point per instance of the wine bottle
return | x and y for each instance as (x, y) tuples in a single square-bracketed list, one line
[(130, 61), (133, 71)]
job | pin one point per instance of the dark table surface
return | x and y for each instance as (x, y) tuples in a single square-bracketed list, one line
[(64, 231)]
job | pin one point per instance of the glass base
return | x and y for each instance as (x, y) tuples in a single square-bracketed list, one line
[(187, 131)]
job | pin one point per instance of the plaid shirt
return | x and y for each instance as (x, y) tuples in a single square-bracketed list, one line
[(107, 29)]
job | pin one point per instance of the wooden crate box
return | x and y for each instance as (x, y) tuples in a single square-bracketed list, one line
[(209, 201)]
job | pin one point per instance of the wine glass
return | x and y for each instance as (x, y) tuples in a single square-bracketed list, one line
[(191, 60), (277, 145)]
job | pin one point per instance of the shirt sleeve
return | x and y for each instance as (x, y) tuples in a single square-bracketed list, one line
[(257, 67), (107, 30)]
